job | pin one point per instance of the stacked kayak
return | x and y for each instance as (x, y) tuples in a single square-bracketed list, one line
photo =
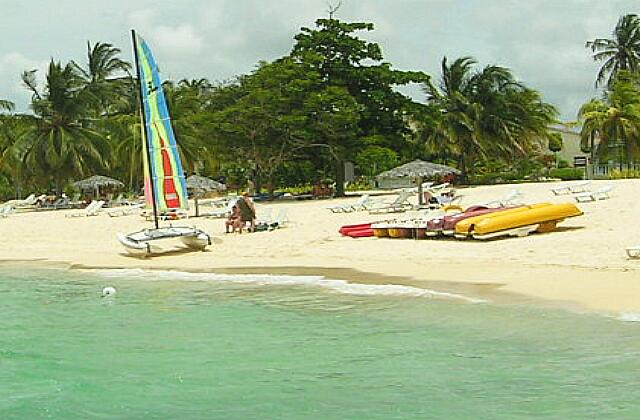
[(361, 230), (476, 222), (519, 221)]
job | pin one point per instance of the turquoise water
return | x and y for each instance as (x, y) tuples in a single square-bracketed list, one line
[(245, 348)]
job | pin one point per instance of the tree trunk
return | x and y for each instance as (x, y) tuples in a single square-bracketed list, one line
[(339, 178), (462, 166)]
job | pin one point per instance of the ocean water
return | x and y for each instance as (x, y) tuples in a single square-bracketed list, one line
[(172, 345)]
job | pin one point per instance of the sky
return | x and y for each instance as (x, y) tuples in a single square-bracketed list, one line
[(541, 41)]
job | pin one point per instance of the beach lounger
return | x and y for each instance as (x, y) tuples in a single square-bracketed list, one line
[(6, 210), (124, 210), (572, 188), (361, 204), (91, 210), (599, 194), (221, 209), (281, 219), (400, 204), (512, 198), (265, 216)]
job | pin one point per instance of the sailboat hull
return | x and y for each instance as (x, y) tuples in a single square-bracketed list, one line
[(144, 242)]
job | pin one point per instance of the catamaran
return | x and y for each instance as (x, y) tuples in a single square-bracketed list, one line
[(165, 185)]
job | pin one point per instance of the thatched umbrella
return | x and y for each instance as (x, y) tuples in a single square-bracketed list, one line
[(419, 170), (96, 182), (199, 185)]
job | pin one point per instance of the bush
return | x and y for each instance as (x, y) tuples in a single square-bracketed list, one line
[(360, 184), (6, 189), (563, 163), (624, 174), (567, 174), (489, 178)]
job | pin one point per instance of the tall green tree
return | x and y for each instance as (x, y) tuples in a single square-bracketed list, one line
[(258, 127), (481, 114), (60, 141), (344, 60), (621, 52), (106, 77), (614, 120)]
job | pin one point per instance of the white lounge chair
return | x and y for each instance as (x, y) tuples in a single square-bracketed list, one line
[(572, 188), (281, 219), (220, 210), (360, 204), (512, 198), (92, 209), (124, 210), (265, 216), (400, 204), (6, 210), (599, 194)]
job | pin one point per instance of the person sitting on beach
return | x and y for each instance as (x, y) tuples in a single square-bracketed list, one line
[(233, 221), (247, 212)]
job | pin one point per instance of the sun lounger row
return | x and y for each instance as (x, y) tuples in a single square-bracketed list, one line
[(363, 203), (582, 191), (578, 187), (92, 209)]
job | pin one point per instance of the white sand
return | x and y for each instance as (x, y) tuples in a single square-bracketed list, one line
[(583, 264)]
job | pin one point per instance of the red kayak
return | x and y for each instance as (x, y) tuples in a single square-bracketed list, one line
[(362, 233), (350, 228)]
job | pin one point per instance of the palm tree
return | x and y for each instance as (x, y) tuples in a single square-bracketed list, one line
[(620, 53), (483, 114), (105, 76), (6, 105), (615, 120), (60, 141)]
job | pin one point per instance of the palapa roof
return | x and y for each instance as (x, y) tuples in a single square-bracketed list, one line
[(98, 181), (418, 169), (199, 183)]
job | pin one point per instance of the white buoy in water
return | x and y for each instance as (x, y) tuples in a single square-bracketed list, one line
[(108, 291)]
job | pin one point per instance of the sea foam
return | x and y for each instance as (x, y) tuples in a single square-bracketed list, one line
[(630, 317), (339, 286)]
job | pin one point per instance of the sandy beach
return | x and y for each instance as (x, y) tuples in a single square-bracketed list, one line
[(582, 265)]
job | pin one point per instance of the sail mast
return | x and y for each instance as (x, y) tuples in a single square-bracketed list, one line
[(144, 126)]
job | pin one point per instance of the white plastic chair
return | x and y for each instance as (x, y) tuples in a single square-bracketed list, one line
[(512, 198), (360, 204), (400, 204), (92, 209), (599, 194), (6, 210), (572, 188), (220, 212), (281, 219)]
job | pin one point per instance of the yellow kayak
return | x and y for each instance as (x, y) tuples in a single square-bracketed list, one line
[(541, 217)]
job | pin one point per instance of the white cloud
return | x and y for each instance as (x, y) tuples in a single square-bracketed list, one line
[(12, 65), (541, 40), (175, 40)]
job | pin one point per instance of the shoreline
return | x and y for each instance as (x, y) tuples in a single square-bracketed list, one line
[(580, 267), (465, 292)]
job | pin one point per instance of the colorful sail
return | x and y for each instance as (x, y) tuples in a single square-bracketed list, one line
[(160, 150)]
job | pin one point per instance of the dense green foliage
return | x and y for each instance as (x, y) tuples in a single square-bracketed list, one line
[(611, 125), (291, 122), (480, 115), (621, 53)]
